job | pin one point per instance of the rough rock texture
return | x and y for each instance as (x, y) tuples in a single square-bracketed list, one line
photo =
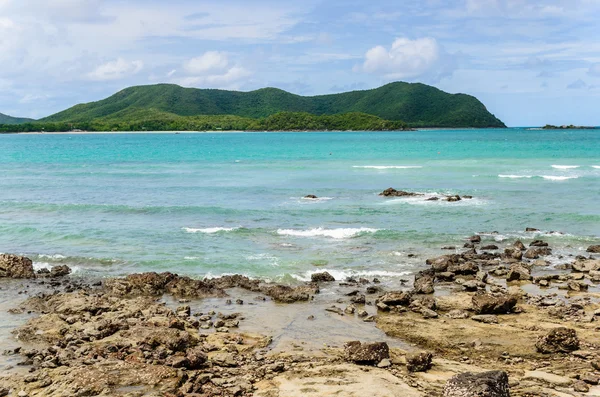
[(14, 266), (535, 252), (156, 284), (518, 272), (490, 304), (391, 192), (513, 253), (396, 298), (419, 362), (366, 353), (594, 249), (485, 384), (585, 265), (559, 340), (321, 277), (424, 282), (60, 271)]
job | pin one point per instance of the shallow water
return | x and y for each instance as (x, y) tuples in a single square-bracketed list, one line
[(208, 204)]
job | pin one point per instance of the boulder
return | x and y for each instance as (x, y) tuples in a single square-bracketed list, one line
[(196, 358), (453, 199), (594, 249), (484, 384), (536, 252), (366, 353), (424, 282), (538, 243), (321, 277), (396, 298), (475, 239), (310, 196), (518, 272), (467, 268), (287, 294), (585, 265), (60, 271), (491, 304), (518, 244), (558, 340), (531, 229), (513, 253), (490, 247), (419, 362), (14, 266), (391, 192), (440, 264)]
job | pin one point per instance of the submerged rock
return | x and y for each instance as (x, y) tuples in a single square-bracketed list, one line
[(366, 353), (391, 192), (594, 249), (14, 266), (485, 384), (310, 196), (60, 271), (321, 277), (535, 252), (558, 340)]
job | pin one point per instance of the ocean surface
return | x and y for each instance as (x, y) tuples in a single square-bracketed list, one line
[(205, 204)]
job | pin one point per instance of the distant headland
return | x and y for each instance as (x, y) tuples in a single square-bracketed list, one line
[(568, 127), (168, 107)]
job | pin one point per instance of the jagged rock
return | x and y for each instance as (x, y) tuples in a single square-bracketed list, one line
[(519, 244), (581, 387), (457, 314), (321, 277), (484, 384), (485, 318), (424, 282), (14, 266), (467, 268), (591, 379), (490, 304), (594, 249), (310, 196), (453, 199), (156, 284), (441, 263), (513, 253), (428, 313), (490, 247), (60, 271), (396, 298), (287, 294), (531, 229), (196, 358), (473, 285), (558, 340), (391, 192), (419, 362), (445, 276), (538, 243), (586, 265), (518, 272), (576, 286), (536, 252), (475, 239), (366, 353)]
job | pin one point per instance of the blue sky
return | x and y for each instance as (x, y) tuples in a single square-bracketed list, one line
[(530, 62)]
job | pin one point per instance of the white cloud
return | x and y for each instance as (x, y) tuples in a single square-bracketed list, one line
[(577, 85), (115, 70), (209, 62), (171, 73), (594, 70), (407, 59)]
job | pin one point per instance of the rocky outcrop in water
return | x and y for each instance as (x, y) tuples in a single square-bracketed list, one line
[(391, 192), (14, 266)]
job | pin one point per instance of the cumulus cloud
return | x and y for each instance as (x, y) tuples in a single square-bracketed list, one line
[(409, 59), (577, 85), (212, 69), (594, 70), (115, 70)]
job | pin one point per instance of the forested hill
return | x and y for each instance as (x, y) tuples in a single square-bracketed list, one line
[(4, 119), (417, 105)]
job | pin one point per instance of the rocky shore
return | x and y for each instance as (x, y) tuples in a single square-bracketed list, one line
[(483, 320)]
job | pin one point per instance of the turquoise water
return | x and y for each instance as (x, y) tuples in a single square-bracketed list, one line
[(208, 204)]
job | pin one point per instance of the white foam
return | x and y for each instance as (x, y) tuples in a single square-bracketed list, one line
[(264, 257), (515, 176), (596, 166), (191, 258), (387, 167), (341, 275), (210, 230), (45, 265), (317, 199), (55, 256), (321, 232), (558, 178), (565, 167)]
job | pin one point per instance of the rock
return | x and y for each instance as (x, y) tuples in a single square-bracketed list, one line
[(473, 285), (428, 313), (594, 249), (321, 277), (419, 362), (60, 271), (581, 387), (586, 265), (590, 378), (485, 318), (536, 252), (224, 360), (545, 377), (538, 243), (558, 340), (484, 384), (391, 192), (467, 268), (490, 304), (14, 266), (441, 263), (362, 313), (335, 309), (366, 353), (287, 294), (359, 299), (424, 282), (490, 247), (513, 253), (453, 199), (350, 309), (396, 298), (576, 286), (518, 272), (595, 364), (519, 244), (385, 363), (531, 229), (196, 358), (457, 314), (4, 391), (475, 239), (310, 196)]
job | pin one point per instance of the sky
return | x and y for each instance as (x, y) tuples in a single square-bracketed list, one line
[(530, 62)]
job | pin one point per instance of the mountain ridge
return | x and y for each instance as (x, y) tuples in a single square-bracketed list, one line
[(416, 104), (10, 120)]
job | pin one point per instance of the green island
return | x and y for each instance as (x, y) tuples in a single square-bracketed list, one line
[(568, 127), (168, 107)]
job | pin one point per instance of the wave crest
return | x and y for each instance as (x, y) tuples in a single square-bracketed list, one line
[(210, 230), (321, 232)]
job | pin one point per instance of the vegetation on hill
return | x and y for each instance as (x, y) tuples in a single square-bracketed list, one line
[(5, 119), (418, 105), (567, 127), (156, 120)]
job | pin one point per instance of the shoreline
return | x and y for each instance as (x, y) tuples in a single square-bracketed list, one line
[(476, 310)]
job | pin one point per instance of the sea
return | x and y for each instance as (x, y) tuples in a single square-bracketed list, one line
[(207, 204)]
